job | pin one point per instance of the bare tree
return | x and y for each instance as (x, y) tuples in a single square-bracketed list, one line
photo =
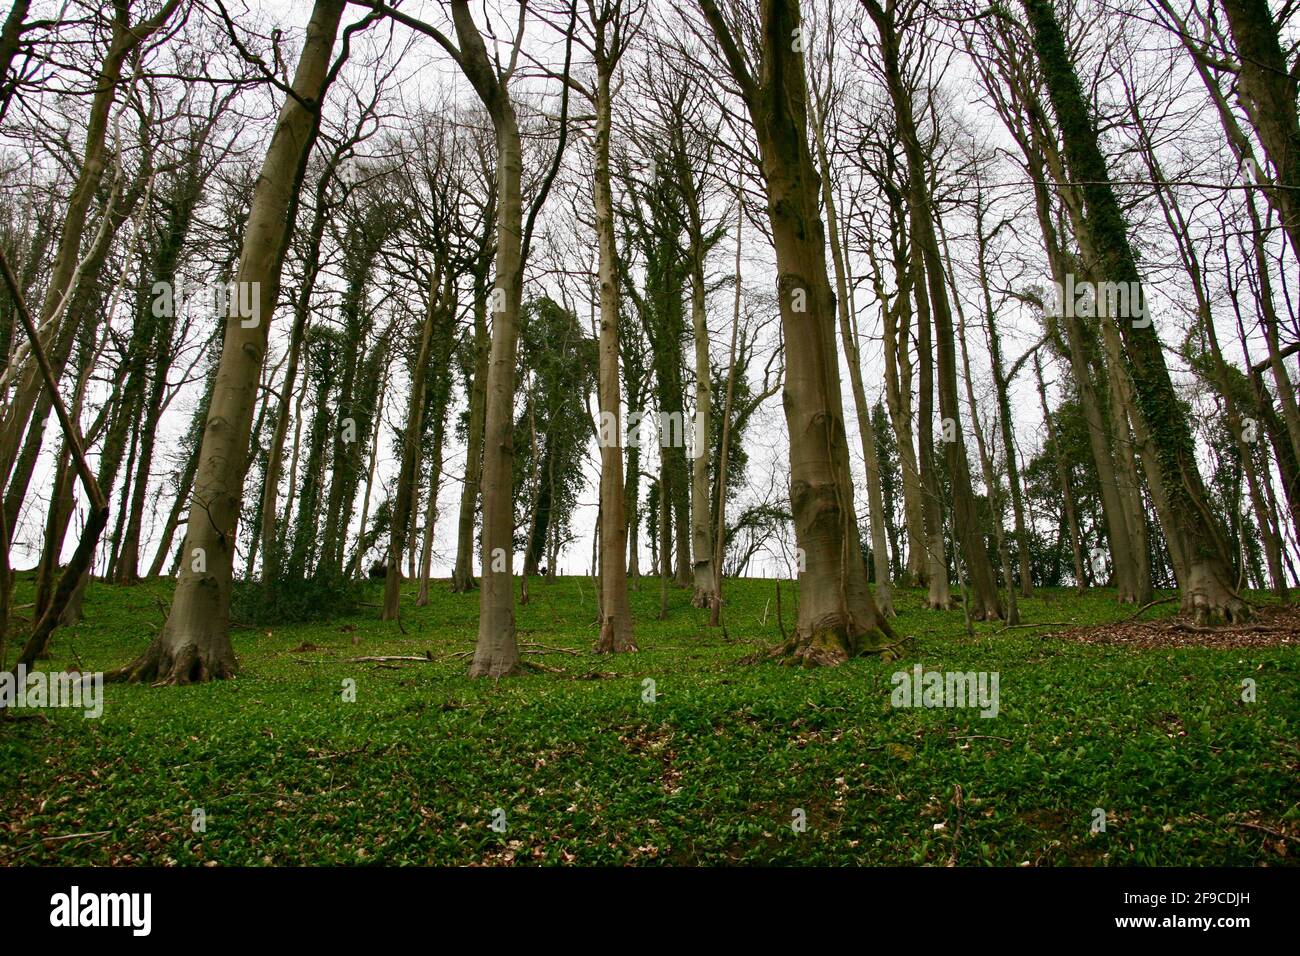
[(837, 618), (194, 645)]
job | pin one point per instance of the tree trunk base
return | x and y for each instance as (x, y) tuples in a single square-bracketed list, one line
[(985, 611), (1210, 599), (496, 669), (462, 584), (885, 601), (1127, 597), (830, 645), (174, 663), (703, 597), (615, 639), (497, 656)]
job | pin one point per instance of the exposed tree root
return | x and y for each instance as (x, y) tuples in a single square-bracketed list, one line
[(1150, 604), (985, 614), (534, 666), (163, 665), (463, 585), (831, 645), (1209, 601), (534, 648)]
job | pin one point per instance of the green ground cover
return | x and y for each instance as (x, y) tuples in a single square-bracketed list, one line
[(715, 770)]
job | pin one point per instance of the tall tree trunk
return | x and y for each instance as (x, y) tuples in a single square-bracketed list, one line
[(272, 539), (164, 258), (1063, 477), (681, 498), (462, 577), (536, 537), (837, 616), (1268, 90), (1287, 393), (939, 595), (1126, 430), (128, 564), (1123, 556), (63, 492), (1170, 459), (701, 514), (186, 481), (194, 644), (407, 478), (124, 39), (992, 486), (496, 653), (632, 509), (354, 568), (986, 604), (898, 399), (616, 630), (83, 310), (110, 572), (10, 37), (95, 521), (1001, 388), (724, 444), (430, 519), (665, 538), (853, 358)]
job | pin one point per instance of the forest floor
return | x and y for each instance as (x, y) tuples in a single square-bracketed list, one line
[(579, 766)]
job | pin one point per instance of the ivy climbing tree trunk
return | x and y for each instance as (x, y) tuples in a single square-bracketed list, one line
[(462, 576), (1169, 454), (404, 499)]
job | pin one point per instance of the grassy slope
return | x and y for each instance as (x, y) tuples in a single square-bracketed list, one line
[(288, 773)]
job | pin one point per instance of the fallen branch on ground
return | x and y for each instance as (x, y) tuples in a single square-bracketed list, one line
[(1138, 612), (546, 648)]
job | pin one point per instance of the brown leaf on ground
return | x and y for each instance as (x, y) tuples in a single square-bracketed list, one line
[(1269, 626)]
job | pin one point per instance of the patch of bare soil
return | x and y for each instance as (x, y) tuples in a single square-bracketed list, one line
[(1269, 626)]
